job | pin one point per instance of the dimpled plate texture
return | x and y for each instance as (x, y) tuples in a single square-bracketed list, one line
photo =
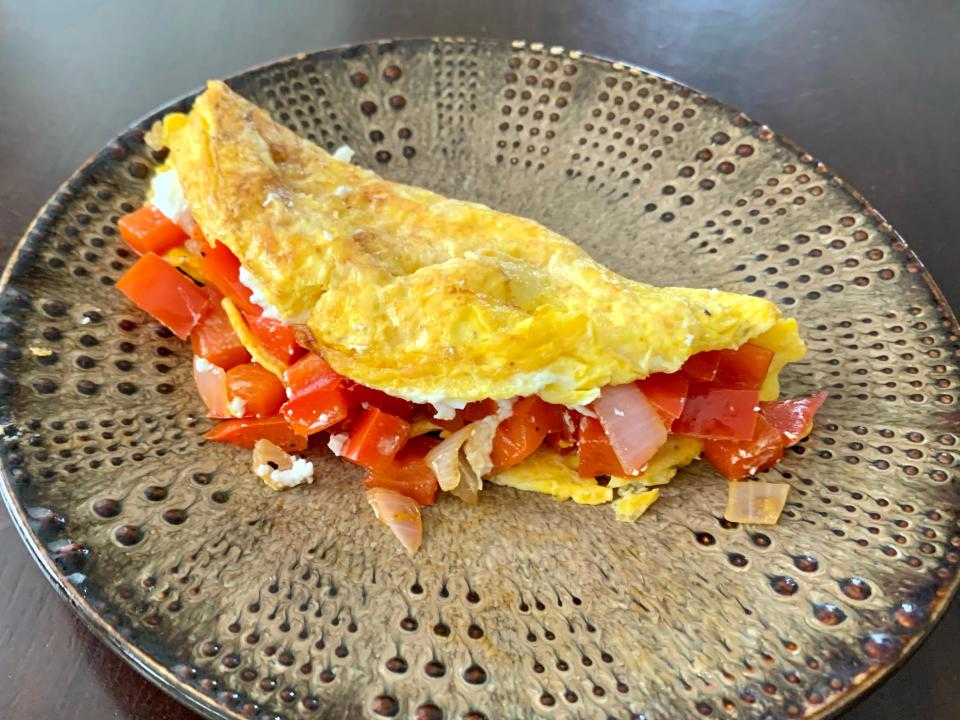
[(247, 603)]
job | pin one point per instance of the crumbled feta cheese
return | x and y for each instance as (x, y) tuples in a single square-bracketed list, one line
[(386, 444), (258, 298), (166, 195), (203, 365), (301, 472), (618, 412), (688, 340), (237, 407), (344, 153), (341, 191), (336, 443)]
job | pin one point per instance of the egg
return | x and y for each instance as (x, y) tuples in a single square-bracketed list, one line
[(422, 296), (552, 474)]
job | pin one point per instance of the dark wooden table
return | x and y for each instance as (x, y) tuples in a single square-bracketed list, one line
[(869, 87)]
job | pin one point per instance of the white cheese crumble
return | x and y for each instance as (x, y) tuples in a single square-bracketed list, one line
[(237, 407), (301, 472), (337, 442), (258, 298), (341, 191), (344, 153), (166, 195), (203, 365)]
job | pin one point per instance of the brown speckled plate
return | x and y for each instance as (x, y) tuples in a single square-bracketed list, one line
[(245, 603)]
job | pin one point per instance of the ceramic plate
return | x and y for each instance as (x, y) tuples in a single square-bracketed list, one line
[(246, 603)]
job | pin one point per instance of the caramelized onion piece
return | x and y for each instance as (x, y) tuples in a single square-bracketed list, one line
[(400, 514), (755, 501)]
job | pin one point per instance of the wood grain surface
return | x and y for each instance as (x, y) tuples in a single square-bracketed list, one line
[(869, 87)]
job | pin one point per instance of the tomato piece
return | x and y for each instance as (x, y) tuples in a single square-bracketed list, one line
[(311, 412), (523, 432), (378, 399), (259, 389), (166, 293), (276, 337), (148, 230), (717, 412), (409, 473), (451, 425), (376, 438), (596, 454), (667, 392), (737, 459), (222, 268), (214, 339), (246, 431), (479, 409), (309, 373), (564, 440), (793, 417), (702, 366), (746, 366)]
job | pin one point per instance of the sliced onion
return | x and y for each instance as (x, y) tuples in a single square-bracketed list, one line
[(755, 502), (400, 514), (632, 425), (444, 459), (212, 384)]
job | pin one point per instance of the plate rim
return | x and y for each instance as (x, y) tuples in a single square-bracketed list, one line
[(163, 678)]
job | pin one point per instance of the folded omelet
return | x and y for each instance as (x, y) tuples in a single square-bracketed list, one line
[(429, 298)]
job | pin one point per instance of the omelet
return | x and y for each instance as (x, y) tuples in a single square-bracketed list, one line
[(437, 300), (425, 297)]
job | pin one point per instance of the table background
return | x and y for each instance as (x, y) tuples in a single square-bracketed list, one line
[(870, 87)]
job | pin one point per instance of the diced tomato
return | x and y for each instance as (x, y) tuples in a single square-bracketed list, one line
[(381, 400), (451, 425), (246, 431), (309, 373), (148, 230), (717, 412), (596, 455), (214, 339), (702, 366), (793, 417), (166, 293), (564, 440), (523, 432), (275, 336), (479, 409), (259, 389), (311, 412), (744, 367), (635, 429), (667, 392), (222, 268), (211, 383), (737, 459), (409, 473), (376, 438)]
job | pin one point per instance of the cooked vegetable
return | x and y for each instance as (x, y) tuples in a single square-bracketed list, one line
[(275, 337), (753, 501), (596, 455), (376, 438), (369, 397), (793, 417), (409, 474), (221, 267), (166, 293), (399, 513), (444, 459), (246, 431), (309, 373), (737, 459), (632, 425), (523, 431), (311, 412), (251, 342), (148, 230), (259, 391), (214, 339), (719, 413), (667, 392), (744, 367), (702, 366), (211, 383)]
